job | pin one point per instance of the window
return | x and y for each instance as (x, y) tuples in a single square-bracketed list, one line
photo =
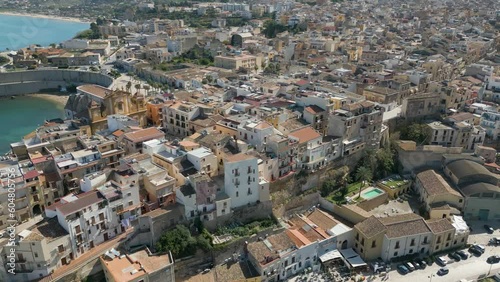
[(77, 229), (130, 203), (101, 216), (425, 240), (449, 237), (412, 242), (363, 241), (374, 244), (397, 245), (237, 194), (395, 254)]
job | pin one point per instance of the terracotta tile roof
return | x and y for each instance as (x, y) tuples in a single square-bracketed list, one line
[(305, 134), (118, 133), (440, 225), (144, 135), (435, 184), (393, 226), (322, 219), (238, 158), (370, 227), (84, 200), (268, 250), (95, 90), (263, 125), (313, 109)]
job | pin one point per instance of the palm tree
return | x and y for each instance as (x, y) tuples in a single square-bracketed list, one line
[(138, 87), (146, 87), (363, 174), (128, 86)]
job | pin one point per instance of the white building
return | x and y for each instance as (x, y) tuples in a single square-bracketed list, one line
[(241, 181), (203, 160), (78, 44), (255, 133)]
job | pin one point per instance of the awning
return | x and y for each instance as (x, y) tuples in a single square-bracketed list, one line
[(352, 258), (356, 262), (330, 255)]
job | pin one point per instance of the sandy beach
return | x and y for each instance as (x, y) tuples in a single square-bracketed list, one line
[(59, 99), (44, 17)]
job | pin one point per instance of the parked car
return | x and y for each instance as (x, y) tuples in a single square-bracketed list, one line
[(493, 259), (441, 261), (481, 248), (443, 271), (455, 256), (422, 263), (403, 269), (410, 266), (489, 229), (494, 241), (463, 254), (473, 250), (416, 264)]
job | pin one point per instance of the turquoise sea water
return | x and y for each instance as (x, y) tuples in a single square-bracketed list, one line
[(21, 31), (22, 115)]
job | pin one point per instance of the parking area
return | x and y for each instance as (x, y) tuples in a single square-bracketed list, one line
[(471, 269), (478, 235)]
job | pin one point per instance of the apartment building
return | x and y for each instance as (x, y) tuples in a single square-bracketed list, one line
[(461, 134), (255, 133), (358, 125), (490, 121), (402, 235), (139, 266), (242, 182), (176, 117), (236, 62), (310, 149), (73, 166), (93, 217), (40, 250), (133, 141), (421, 106), (12, 179), (203, 161)]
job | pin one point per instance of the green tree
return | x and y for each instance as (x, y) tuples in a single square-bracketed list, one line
[(146, 88), (363, 174), (416, 132), (327, 188), (385, 162), (128, 86), (179, 241), (137, 87)]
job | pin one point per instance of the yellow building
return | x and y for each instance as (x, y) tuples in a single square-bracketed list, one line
[(248, 62), (94, 103)]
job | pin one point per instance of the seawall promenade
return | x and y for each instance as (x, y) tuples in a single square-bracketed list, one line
[(29, 82)]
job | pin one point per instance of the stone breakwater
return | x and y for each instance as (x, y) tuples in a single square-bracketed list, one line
[(29, 82)]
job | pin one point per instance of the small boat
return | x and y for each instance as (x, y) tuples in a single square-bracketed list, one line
[(12, 97)]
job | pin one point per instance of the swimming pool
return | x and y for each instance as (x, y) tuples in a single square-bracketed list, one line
[(372, 193)]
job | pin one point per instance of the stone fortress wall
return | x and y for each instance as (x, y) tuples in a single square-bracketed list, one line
[(29, 82)]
